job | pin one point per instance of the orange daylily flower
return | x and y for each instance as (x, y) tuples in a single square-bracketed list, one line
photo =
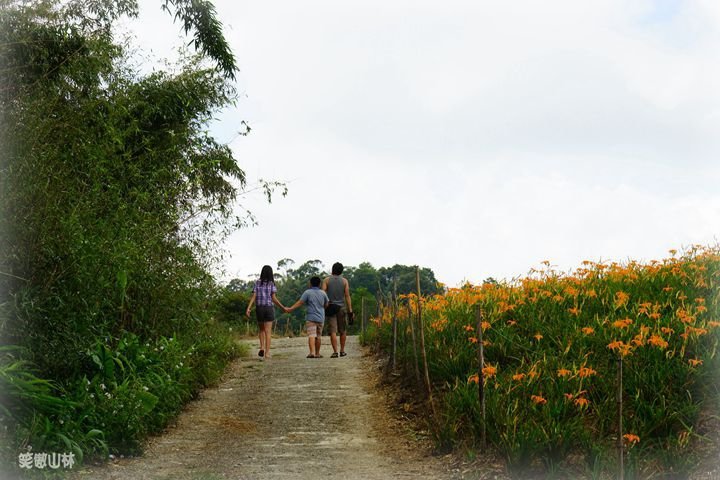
[(588, 330), (631, 438), (694, 362), (538, 399), (581, 402), (621, 298), (624, 323), (657, 341), (563, 372), (586, 372)]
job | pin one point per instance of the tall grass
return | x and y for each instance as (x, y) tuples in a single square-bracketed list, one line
[(552, 342), (131, 388)]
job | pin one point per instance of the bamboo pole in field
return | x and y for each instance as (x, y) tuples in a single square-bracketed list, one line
[(422, 339), (621, 453), (380, 306), (414, 344), (362, 316), (481, 374), (394, 325)]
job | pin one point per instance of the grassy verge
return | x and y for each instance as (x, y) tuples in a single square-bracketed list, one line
[(132, 389)]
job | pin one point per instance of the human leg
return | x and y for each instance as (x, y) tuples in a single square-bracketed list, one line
[(268, 338), (342, 329), (265, 316), (333, 328), (311, 328), (261, 337)]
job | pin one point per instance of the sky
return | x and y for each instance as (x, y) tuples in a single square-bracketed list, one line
[(476, 138)]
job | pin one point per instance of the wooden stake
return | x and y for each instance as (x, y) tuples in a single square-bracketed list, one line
[(481, 374), (414, 343), (362, 316), (422, 340), (621, 453), (394, 325)]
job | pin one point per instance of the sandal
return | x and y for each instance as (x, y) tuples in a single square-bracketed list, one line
[(261, 353), (311, 356), (343, 354), (334, 355), (318, 356)]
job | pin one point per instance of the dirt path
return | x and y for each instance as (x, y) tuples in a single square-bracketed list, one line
[(286, 418)]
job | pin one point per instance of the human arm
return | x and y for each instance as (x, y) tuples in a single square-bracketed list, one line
[(294, 306), (277, 302), (250, 304), (348, 300)]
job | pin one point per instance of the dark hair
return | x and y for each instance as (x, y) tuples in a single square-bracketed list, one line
[(266, 275), (315, 281), (337, 268)]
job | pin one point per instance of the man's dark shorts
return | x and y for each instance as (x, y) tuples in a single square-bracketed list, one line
[(338, 322)]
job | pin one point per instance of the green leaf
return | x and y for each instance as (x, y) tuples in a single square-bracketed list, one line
[(147, 401)]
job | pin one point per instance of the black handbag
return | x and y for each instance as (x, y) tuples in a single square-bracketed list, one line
[(332, 309)]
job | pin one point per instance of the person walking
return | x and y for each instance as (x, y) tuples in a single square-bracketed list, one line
[(315, 301), (338, 291), (263, 296)]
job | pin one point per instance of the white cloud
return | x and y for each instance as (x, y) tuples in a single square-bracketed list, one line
[(476, 138)]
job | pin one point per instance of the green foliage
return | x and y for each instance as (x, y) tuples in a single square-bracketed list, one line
[(552, 344), (199, 16), (383, 281), (115, 198)]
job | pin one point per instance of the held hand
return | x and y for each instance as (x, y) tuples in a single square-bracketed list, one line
[(247, 313), (286, 309)]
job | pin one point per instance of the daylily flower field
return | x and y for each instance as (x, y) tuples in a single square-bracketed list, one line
[(552, 343)]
